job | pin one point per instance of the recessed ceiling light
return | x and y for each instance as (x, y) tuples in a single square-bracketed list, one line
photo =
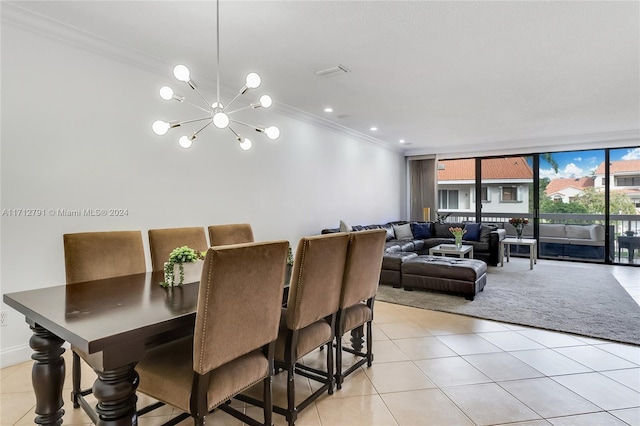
[(373, 128), (402, 141), (328, 109)]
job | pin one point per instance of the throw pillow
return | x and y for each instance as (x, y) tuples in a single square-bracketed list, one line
[(473, 232), (421, 231), (389, 228), (403, 232), (344, 227)]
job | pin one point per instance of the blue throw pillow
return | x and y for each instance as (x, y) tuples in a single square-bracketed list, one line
[(421, 231), (473, 231)]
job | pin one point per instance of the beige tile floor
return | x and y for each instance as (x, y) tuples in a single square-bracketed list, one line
[(434, 368)]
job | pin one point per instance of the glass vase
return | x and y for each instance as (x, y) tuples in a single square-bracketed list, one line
[(458, 241), (519, 229)]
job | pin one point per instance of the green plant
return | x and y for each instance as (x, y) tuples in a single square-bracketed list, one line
[(179, 256), (289, 257)]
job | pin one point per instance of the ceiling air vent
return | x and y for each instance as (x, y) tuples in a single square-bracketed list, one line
[(339, 69)]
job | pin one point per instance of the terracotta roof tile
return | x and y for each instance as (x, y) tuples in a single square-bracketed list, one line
[(493, 168), (558, 185), (620, 167)]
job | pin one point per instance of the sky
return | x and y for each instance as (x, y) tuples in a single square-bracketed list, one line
[(582, 163)]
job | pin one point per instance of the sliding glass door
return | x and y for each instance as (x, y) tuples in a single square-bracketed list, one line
[(624, 204), (572, 206), (507, 191), (580, 205)]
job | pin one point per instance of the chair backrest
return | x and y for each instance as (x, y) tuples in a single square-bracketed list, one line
[(97, 255), (235, 233), (316, 279), (362, 268), (163, 241), (239, 302)]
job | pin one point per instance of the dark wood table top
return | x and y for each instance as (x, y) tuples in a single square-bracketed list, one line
[(115, 314)]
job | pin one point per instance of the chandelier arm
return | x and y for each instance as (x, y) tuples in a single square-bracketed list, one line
[(197, 106), (234, 132), (236, 97), (202, 128), (239, 109), (194, 120), (257, 129), (203, 98)]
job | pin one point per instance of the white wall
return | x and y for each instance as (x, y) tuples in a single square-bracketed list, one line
[(76, 134)]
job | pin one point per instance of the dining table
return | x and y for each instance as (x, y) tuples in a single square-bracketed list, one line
[(112, 322)]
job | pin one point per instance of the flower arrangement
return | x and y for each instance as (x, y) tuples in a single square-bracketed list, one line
[(519, 221), (457, 234), (179, 256)]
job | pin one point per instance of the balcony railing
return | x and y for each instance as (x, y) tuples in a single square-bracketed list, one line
[(620, 225)]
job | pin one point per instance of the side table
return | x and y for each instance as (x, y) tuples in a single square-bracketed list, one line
[(507, 242)]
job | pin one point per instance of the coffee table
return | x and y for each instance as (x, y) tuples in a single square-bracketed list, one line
[(451, 249), (508, 242)]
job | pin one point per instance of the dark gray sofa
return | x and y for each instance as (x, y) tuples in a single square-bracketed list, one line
[(486, 247)]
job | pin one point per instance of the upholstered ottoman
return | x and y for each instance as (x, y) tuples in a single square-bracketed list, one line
[(448, 274), (391, 262)]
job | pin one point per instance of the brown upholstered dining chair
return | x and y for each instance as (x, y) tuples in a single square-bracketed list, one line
[(92, 256), (308, 320), (234, 337), (235, 233), (163, 241), (359, 288)]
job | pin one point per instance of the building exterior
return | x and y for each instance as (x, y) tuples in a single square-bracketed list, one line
[(566, 190), (505, 185), (625, 178)]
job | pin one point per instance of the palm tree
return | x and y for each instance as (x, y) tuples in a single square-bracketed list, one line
[(548, 157)]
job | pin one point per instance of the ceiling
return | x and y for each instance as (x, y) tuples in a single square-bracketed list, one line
[(445, 76)]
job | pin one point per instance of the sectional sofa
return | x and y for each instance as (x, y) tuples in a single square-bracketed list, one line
[(419, 237)]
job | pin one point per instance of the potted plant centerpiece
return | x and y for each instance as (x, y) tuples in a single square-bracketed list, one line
[(189, 262)]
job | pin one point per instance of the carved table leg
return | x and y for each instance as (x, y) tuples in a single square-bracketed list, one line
[(115, 391), (357, 337), (47, 375)]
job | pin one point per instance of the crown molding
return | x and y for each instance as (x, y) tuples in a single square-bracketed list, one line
[(617, 139), (12, 13)]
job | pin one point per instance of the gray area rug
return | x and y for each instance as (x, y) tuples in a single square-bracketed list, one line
[(581, 299)]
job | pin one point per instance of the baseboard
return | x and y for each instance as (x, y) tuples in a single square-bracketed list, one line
[(15, 355)]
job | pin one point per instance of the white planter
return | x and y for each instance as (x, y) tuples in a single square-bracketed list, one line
[(192, 272)]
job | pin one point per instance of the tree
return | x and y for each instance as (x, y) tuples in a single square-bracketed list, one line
[(548, 157), (593, 202)]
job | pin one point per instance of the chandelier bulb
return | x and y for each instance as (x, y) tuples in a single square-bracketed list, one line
[(266, 101), (160, 128), (217, 106), (253, 80), (220, 120), (181, 72), (272, 132), (166, 93), (245, 144), (185, 142)]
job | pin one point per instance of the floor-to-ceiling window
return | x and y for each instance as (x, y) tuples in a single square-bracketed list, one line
[(507, 190), (456, 188), (572, 206), (624, 204), (581, 205)]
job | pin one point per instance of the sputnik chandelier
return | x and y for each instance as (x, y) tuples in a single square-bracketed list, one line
[(217, 113)]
